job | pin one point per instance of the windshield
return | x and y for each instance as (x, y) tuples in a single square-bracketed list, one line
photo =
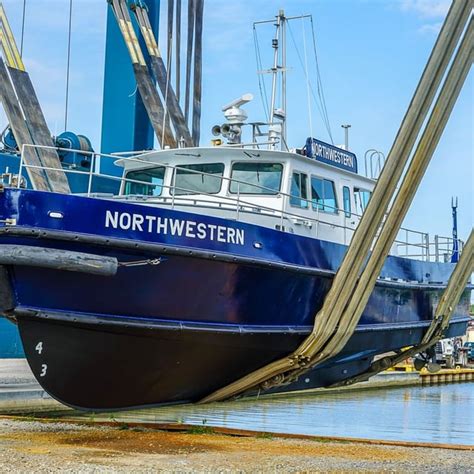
[(203, 178), (252, 177), (147, 182)]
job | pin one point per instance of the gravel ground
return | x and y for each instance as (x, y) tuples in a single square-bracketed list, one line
[(32, 446)]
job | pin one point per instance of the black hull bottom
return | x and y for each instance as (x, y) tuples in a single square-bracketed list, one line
[(107, 367)]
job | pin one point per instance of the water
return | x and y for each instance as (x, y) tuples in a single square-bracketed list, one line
[(435, 414)]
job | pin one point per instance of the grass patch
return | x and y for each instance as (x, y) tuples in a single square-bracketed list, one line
[(30, 418), (200, 430), (329, 440)]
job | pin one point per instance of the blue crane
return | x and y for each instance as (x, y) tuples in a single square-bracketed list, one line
[(125, 123), (125, 126)]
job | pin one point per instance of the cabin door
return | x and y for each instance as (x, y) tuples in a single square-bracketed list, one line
[(348, 210)]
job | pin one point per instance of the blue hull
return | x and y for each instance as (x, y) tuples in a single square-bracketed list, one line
[(97, 365), (219, 284), (10, 342)]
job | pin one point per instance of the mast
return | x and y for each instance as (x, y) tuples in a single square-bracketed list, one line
[(283, 77), (279, 67), (274, 69)]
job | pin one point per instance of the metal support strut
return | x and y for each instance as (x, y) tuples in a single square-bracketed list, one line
[(336, 321)]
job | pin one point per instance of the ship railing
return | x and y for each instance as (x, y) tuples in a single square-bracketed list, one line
[(420, 245), (181, 196), (93, 171), (409, 243), (374, 161), (239, 204)]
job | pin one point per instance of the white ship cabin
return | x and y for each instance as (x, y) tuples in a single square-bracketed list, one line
[(289, 192)]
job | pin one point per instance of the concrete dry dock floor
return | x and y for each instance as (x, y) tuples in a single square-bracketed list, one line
[(32, 445)]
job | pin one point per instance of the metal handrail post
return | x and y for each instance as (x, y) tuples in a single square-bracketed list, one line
[(173, 187), (406, 247), (317, 220), (20, 169), (282, 210), (89, 184), (122, 184), (427, 246), (345, 228), (237, 211)]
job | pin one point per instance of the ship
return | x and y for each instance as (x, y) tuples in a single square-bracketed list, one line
[(207, 264)]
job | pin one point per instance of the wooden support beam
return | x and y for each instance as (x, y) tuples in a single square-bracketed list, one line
[(178, 50), (57, 259), (189, 58), (35, 121), (148, 92), (444, 311), (39, 131), (21, 133), (424, 152), (160, 73), (344, 283), (197, 72)]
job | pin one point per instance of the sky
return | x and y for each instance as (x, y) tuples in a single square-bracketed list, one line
[(371, 54)]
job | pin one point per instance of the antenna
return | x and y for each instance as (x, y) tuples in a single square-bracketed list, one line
[(245, 99), (346, 136), (455, 254), (278, 128)]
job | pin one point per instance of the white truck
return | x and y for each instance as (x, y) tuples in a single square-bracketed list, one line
[(445, 353)]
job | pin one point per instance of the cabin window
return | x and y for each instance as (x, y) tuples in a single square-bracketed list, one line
[(150, 181), (346, 199), (299, 190), (361, 197), (205, 178), (256, 178), (323, 195)]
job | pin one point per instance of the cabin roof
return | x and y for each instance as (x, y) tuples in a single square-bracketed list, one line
[(180, 155)]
